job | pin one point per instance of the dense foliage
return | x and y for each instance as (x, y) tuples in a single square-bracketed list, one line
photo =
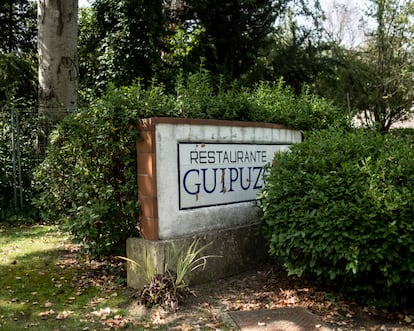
[(255, 40), (296, 52), (230, 48), (18, 26), (277, 103), (18, 119), (267, 102), (88, 178), (17, 162), (18, 86), (18, 92), (119, 42), (339, 207)]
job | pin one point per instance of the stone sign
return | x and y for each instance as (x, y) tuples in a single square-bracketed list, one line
[(203, 175), (200, 179)]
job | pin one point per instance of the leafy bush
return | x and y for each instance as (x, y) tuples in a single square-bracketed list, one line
[(267, 102), (196, 97), (339, 206), (277, 103), (88, 178)]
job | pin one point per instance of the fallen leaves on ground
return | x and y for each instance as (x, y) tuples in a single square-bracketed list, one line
[(271, 288), (267, 288)]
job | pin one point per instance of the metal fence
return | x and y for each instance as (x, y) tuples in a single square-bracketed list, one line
[(23, 145)]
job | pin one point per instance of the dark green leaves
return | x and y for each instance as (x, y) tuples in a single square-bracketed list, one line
[(339, 206), (88, 179)]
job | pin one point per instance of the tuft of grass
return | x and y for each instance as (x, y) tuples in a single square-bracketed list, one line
[(189, 261), (168, 288)]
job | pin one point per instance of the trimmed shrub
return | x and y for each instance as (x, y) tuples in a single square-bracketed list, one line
[(267, 102), (88, 177), (339, 206), (277, 103)]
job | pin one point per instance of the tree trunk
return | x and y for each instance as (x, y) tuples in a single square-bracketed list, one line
[(58, 67), (58, 64)]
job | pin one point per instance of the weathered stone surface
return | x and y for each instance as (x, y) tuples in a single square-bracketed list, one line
[(238, 250)]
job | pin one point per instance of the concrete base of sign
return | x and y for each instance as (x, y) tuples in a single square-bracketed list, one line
[(238, 250)]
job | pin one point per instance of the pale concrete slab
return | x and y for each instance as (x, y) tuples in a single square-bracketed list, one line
[(281, 319)]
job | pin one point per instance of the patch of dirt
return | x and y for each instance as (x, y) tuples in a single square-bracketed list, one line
[(270, 288)]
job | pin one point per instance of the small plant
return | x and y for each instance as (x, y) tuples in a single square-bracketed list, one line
[(169, 288), (161, 291), (148, 268), (189, 261)]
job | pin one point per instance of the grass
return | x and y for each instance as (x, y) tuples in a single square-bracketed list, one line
[(43, 287)]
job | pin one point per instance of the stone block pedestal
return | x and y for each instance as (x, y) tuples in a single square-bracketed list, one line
[(239, 249)]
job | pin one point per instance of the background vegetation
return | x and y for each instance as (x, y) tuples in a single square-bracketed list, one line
[(88, 179), (268, 61)]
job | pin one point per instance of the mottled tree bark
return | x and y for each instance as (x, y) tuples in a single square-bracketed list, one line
[(57, 46), (58, 66)]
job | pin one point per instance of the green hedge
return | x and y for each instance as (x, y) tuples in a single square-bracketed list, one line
[(88, 178), (340, 206)]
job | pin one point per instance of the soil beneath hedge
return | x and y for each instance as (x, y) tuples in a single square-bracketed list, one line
[(268, 287), (271, 288)]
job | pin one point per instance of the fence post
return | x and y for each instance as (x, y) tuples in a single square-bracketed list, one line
[(16, 160)]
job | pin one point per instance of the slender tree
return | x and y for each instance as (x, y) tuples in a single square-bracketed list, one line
[(376, 79), (390, 53)]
